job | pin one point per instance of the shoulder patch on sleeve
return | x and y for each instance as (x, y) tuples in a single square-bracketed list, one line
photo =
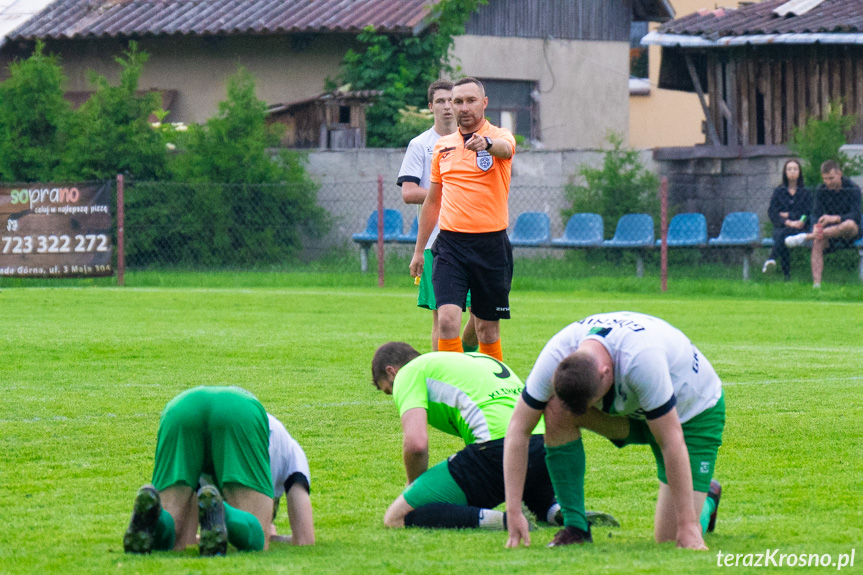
[(532, 402)]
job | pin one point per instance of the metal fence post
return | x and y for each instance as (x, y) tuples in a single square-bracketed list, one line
[(380, 230), (663, 233), (121, 233)]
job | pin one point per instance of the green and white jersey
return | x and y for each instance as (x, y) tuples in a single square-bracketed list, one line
[(656, 367), (469, 395)]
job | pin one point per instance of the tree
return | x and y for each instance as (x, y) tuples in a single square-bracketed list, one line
[(820, 140), (403, 67), (234, 204), (622, 186), (111, 132), (33, 119)]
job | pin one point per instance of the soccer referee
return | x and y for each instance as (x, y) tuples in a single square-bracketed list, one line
[(468, 194)]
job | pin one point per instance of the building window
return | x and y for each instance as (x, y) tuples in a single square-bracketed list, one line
[(639, 65), (511, 105)]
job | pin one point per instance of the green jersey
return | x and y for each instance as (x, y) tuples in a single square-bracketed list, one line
[(469, 395)]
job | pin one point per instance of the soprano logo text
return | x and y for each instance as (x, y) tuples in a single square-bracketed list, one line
[(774, 558), (43, 195)]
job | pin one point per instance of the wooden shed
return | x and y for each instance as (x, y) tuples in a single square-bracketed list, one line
[(332, 120), (763, 68)]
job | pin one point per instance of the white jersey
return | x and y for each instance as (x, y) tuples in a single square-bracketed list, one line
[(416, 167), (287, 458), (655, 367)]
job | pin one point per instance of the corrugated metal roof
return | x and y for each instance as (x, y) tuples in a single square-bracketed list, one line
[(129, 18), (831, 16), (13, 13)]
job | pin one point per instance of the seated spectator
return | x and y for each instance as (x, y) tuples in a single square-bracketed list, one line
[(835, 218), (789, 207)]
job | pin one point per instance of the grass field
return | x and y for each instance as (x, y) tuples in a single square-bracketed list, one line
[(85, 372)]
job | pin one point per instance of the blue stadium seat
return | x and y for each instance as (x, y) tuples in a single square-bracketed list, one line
[(859, 245), (531, 229), (582, 231), (393, 226), (633, 231), (767, 243), (411, 236), (686, 231), (739, 229)]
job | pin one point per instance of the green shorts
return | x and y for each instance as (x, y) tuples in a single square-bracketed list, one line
[(703, 436), (426, 297), (436, 485), (219, 431)]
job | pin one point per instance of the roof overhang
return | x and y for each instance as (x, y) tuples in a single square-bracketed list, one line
[(652, 11), (690, 41)]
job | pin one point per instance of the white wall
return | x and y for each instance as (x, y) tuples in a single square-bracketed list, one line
[(583, 85)]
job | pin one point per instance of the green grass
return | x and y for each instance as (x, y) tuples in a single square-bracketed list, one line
[(85, 372)]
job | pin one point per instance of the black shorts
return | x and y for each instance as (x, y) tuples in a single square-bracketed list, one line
[(479, 263), (478, 470)]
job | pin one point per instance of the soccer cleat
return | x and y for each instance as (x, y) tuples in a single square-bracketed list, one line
[(211, 517), (714, 493), (141, 532), (795, 241), (769, 266), (571, 536)]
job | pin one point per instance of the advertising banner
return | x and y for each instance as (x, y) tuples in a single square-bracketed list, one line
[(52, 230)]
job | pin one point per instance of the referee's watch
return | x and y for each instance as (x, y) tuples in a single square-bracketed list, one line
[(488, 143)]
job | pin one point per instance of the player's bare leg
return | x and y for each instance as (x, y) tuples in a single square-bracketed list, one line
[(435, 334), (180, 501), (468, 336), (394, 518), (251, 501), (449, 323)]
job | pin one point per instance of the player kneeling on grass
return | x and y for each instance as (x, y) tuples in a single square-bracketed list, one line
[(223, 433), (470, 396), (634, 379)]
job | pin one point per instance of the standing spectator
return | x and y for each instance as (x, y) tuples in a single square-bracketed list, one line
[(789, 208), (414, 181), (469, 190), (835, 218)]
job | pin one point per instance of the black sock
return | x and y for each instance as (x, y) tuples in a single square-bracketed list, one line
[(444, 516)]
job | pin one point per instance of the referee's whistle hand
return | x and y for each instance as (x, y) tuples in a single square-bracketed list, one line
[(417, 265)]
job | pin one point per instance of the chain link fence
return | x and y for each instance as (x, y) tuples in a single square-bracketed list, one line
[(333, 224), (209, 226)]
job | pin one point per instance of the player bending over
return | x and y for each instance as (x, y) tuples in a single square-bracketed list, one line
[(223, 433), (634, 379), (470, 396)]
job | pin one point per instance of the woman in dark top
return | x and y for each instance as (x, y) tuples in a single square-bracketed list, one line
[(789, 211)]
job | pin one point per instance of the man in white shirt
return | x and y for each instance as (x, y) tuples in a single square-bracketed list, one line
[(414, 181), (634, 379)]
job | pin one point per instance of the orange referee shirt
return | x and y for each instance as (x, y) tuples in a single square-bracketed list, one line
[(475, 186)]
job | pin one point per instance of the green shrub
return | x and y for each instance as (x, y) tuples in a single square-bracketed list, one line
[(33, 119), (234, 204), (402, 67), (111, 132), (821, 140), (622, 186)]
